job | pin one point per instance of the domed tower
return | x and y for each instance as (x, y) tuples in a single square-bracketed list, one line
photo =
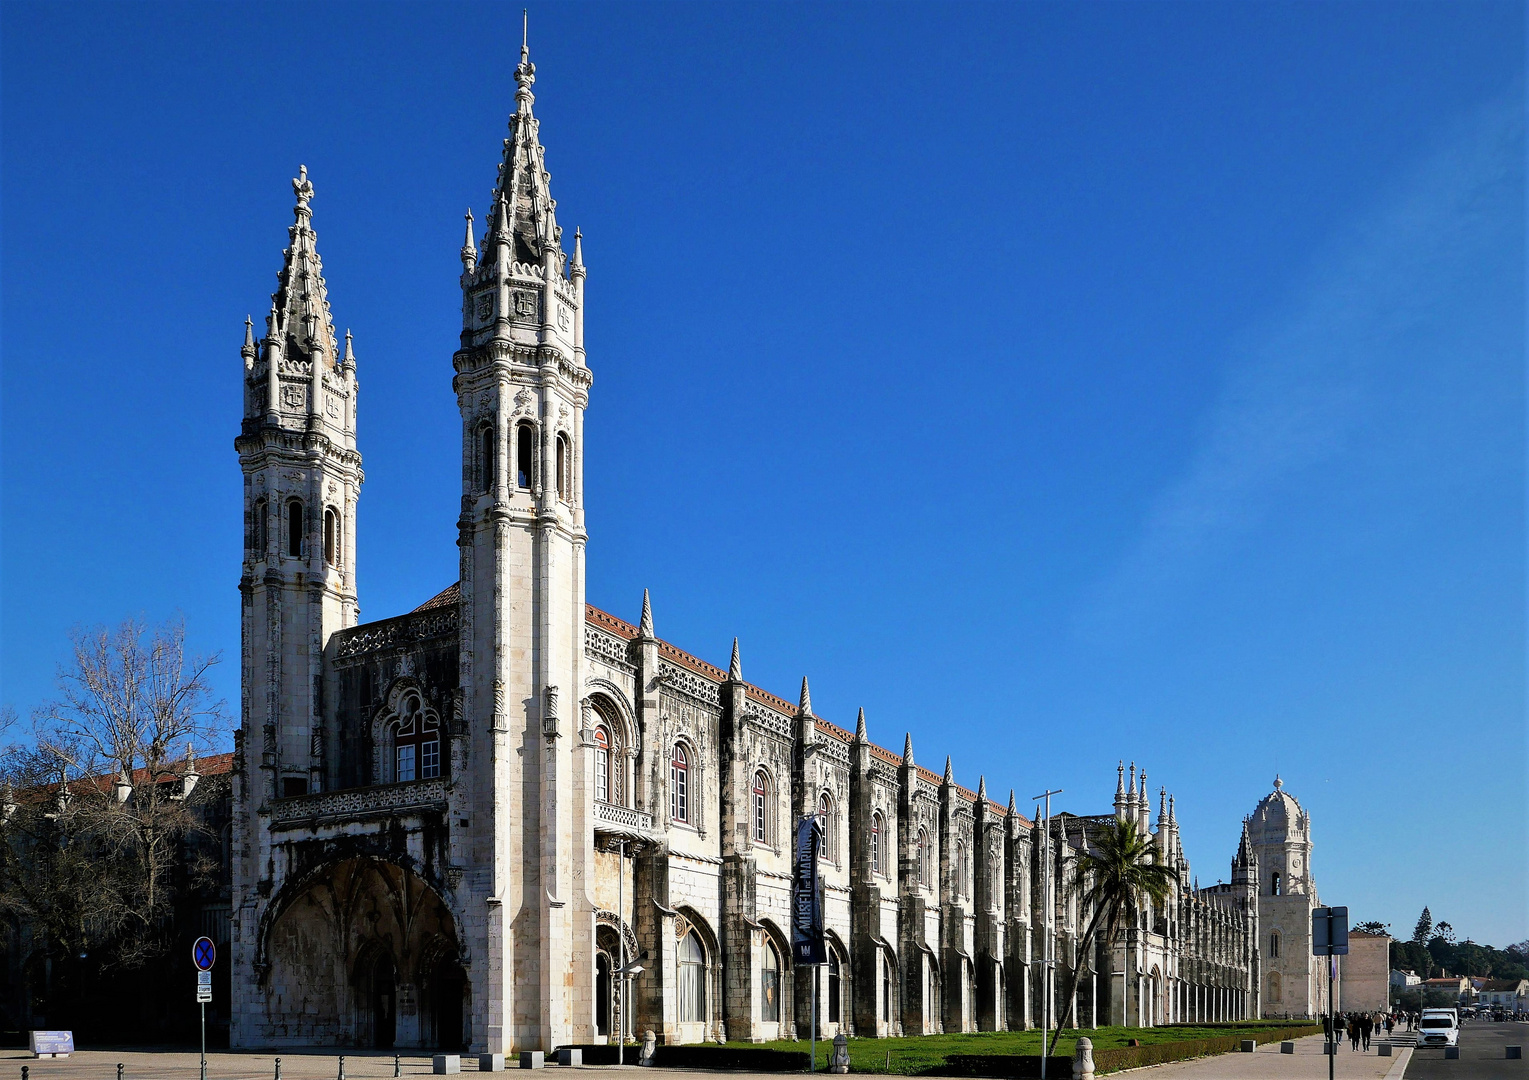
[(1278, 838), (1280, 832)]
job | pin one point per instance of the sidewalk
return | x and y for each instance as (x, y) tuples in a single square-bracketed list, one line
[(1307, 1063)]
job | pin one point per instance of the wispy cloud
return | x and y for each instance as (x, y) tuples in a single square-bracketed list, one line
[(1394, 291)]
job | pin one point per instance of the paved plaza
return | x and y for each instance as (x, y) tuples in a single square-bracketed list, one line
[(1267, 1063)]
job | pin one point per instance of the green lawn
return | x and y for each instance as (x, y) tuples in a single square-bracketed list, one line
[(912, 1056)]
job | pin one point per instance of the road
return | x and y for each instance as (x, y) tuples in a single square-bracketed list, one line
[(1481, 1055)]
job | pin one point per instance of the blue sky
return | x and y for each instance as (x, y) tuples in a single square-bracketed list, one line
[(1061, 383)]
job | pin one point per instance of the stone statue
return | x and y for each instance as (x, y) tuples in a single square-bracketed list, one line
[(649, 1045)]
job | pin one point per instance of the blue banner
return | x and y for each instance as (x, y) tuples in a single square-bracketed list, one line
[(807, 945)]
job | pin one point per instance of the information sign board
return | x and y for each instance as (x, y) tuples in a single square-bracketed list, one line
[(52, 1043), (204, 994)]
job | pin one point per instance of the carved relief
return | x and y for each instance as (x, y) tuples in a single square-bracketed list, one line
[(294, 398), (485, 306), (523, 401), (525, 305)]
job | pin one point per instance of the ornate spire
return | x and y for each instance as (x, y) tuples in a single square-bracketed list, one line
[(1131, 787), (1244, 849), (982, 789), (301, 326), (804, 706), (350, 353), (578, 250), (1278, 783), (908, 749), (1120, 779), (1174, 821), (248, 351), (524, 183), (1013, 810), (735, 665), (861, 736), (950, 774), (645, 626), (1162, 807), (469, 247)]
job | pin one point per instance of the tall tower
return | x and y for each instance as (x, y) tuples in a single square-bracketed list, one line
[(302, 476), (522, 385)]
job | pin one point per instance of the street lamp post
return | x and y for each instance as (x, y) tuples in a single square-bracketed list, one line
[(1048, 950)]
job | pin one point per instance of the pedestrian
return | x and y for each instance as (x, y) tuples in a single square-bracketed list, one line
[(1353, 1033), (1366, 1026)]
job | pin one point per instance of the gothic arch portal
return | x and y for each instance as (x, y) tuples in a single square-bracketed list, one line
[(363, 951)]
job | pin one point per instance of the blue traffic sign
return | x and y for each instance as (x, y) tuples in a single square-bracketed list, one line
[(204, 954)]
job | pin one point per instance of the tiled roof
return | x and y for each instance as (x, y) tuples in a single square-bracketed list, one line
[(212, 765), (451, 594)]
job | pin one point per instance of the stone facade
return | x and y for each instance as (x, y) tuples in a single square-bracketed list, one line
[(453, 827), (1364, 975)]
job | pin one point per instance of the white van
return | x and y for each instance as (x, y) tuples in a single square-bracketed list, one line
[(1439, 1027)]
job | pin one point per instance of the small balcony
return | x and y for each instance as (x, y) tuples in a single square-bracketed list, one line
[(359, 803), (615, 823)]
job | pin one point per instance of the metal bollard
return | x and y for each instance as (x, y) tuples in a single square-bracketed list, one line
[(342, 1070), (26, 1071), (119, 1070), (278, 1069), (397, 1066)]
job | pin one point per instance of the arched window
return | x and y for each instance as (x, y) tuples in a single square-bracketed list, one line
[(525, 455), (886, 989), (416, 744), (825, 823), (564, 467), (692, 980), (295, 529), (1276, 883), (1275, 987), (769, 985), (258, 522), (602, 764), (876, 842), (761, 807), (1274, 945), (679, 780), (331, 536), (960, 882), (487, 458), (834, 979)]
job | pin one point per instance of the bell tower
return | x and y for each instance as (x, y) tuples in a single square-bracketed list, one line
[(302, 476), (522, 385)]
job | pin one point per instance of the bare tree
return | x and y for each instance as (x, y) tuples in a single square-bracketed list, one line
[(119, 745)]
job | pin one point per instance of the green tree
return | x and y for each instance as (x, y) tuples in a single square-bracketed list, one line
[(1115, 878), (1424, 927)]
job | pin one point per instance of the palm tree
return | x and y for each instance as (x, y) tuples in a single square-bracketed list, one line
[(1116, 876)]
